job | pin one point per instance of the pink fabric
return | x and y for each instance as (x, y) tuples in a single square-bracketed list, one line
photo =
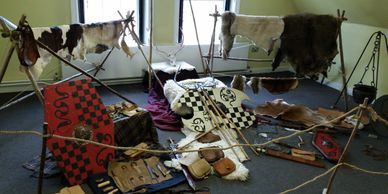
[(162, 115)]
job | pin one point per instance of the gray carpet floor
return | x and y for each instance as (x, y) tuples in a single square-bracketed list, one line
[(267, 174)]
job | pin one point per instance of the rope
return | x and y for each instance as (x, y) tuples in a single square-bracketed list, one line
[(376, 116), (332, 169), (32, 132)]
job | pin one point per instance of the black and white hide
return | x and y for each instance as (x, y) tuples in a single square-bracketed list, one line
[(75, 41)]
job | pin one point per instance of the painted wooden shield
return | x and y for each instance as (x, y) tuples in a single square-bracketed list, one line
[(74, 109), (230, 98)]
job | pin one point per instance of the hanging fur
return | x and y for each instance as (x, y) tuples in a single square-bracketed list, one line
[(226, 38), (279, 85), (254, 84), (309, 42), (263, 31), (238, 82)]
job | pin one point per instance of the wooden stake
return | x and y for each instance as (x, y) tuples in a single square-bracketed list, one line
[(214, 119), (344, 152), (219, 110), (341, 52), (42, 158)]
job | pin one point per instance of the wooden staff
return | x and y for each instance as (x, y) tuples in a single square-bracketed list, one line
[(42, 158), (344, 152), (215, 107), (219, 110), (196, 138), (214, 119), (343, 74)]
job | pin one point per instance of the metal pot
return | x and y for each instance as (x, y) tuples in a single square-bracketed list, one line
[(361, 91)]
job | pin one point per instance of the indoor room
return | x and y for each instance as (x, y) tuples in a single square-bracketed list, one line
[(193, 96)]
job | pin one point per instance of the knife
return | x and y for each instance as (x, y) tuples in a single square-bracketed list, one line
[(185, 171)]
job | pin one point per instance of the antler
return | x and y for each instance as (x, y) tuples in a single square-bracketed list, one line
[(171, 56)]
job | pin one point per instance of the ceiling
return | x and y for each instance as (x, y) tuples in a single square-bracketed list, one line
[(366, 12)]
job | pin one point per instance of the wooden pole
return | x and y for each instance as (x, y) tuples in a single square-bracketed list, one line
[(222, 114), (151, 43), (42, 158), (341, 49), (344, 152), (84, 72), (6, 62), (204, 67), (203, 100), (34, 85)]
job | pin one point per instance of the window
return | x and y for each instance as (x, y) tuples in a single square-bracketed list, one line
[(92, 11), (204, 22)]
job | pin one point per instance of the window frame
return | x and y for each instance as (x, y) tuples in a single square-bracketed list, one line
[(227, 7), (142, 10)]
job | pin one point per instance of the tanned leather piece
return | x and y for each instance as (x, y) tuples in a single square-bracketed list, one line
[(224, 166), (211, 155), (209, 138)]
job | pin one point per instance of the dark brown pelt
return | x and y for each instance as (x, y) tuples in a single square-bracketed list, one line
[(254, 84), (238, 82)]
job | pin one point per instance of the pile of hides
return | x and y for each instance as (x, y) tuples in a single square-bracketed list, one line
[(291, 112), (308, 41), (241, 173), (273, 85), (262, 30), (174, 90), (76, 40)]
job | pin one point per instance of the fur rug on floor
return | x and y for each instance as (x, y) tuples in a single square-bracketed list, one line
[(241, 173)]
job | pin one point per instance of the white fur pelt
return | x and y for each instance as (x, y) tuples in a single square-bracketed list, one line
[(262, 30), (174, 90), (241, 173)]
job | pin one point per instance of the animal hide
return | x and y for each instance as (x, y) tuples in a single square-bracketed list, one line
[(291, 112), (262, 30), (309, 42), (273, 85), (238, 82), (75, 41), (241, 173), (254, 84)]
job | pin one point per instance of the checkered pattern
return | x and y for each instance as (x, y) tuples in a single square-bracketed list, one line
[(79, 103), (192, 99), (242, 119), (73, 159), (86, 100)]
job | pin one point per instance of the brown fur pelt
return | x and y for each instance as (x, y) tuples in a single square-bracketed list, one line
[(309, 42), (238, 82), (278, 85), (254, 84), (226, 38)]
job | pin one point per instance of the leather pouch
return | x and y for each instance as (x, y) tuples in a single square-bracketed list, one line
[(224, 166), (199, 169), (211, 155), (209, 138)]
